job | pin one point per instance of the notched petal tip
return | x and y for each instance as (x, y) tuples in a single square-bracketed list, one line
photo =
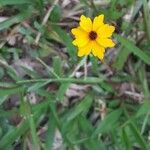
[(80, 54), (110, 43), (106, 31), (101, 57), (73, 31), (113, 44), (82, 17), (98, 22), (101, 16), (106, 42), (74, 42), (112, 28), (85, 23)]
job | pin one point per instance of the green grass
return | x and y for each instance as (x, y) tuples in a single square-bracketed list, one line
[(48, 93)]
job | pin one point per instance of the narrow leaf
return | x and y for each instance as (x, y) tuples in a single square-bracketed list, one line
[(107, 124), (132, 48)]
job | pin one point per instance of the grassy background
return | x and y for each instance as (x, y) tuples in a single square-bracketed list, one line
[(51, 99)]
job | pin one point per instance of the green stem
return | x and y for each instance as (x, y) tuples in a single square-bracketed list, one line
[(64, 80)]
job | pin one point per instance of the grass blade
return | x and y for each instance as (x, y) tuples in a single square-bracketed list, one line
[(146, 17), (109, 121), (132, 48), (10, 91), (126, 140), (11, 136), (13, 2), (138, 136), (121, 58), (81, 107), (33, 132), (15, 19), (50, 132)]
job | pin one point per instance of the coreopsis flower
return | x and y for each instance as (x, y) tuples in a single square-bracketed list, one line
[(93, 37)]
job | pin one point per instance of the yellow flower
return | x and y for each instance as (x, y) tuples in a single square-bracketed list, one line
[(93, 37)]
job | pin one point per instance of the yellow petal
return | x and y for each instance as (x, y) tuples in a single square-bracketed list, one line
[(85, 23), (98, 50), (85, 50), (80, 42), (105, 31), (81, 37), (98, 22), (79, 32), (105, 42)]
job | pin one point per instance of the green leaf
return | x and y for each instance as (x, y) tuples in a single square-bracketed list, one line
[(85, 125), (15, 19), (30, 72), (146, 17), (16, 132), (57, 66), (121, 58), (87, 128), (6, 85), (144, 82), (108, 123), (50, 132), (10, 70), (80, 108), (1, 72), (132, 48), (2, 99), (95, 66), (61, 91), (106, 86), (126, 139), (37, 86), (25, 109), (10, 91), (14, 2), (138, 136), (145, 108), (55, 14), (33, 132)]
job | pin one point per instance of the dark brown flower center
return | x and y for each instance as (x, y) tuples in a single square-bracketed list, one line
[(92, 35)]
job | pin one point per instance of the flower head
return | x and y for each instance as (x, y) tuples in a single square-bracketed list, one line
[(93, 37)]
